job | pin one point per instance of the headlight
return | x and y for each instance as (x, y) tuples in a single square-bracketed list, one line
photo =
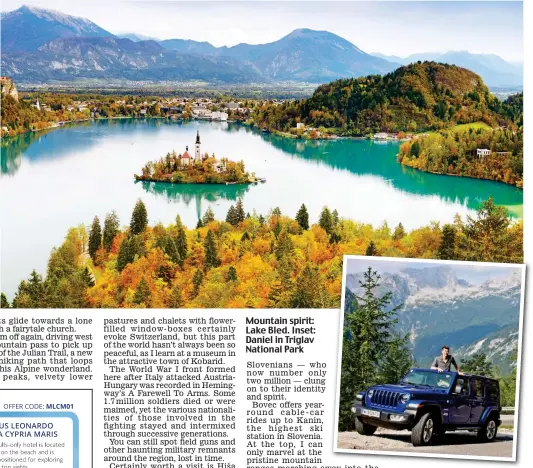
[(405, 398), (359, 396), (370, 393)]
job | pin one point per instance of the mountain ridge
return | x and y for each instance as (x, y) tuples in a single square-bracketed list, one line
[(303, 55)]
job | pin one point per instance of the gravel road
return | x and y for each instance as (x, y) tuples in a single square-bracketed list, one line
[(452, 443)]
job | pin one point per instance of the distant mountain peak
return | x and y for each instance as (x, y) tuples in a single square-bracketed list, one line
[(50, 14), (308, 32), (28, 28)]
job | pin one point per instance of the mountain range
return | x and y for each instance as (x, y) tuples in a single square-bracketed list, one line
[(437, 308), (42, 46), (493, 69)]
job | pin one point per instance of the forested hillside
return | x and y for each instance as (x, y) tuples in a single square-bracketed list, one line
[(417, 97)]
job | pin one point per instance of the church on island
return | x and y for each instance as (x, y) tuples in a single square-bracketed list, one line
[(196, 168), (185, 159)]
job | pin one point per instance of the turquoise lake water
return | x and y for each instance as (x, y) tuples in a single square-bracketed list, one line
[(53, 180)]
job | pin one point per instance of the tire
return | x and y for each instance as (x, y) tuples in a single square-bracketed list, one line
[(424, 430), (363, 428), (487, 432)]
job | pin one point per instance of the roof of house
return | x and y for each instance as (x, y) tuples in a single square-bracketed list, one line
[(185, 155)]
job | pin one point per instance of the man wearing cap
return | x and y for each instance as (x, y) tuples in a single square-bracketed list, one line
[(443, 363)]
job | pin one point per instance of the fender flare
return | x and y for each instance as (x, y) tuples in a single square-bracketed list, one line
[(425, 407), (490, 410)]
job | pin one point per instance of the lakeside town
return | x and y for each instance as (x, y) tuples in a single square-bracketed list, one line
[(462, 135), (59, 109)]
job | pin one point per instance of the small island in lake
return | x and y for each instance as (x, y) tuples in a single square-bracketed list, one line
[(196, 169)]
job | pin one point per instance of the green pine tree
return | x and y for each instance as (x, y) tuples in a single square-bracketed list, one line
[(508, 383), (371, 250), (239, 211), (284, 246), (277, 229), (176, 298), (4, 303), (182, 245), (478, 364), (197, 281), (139, 218), (369, 341), (111, 229), (335, 218), (88, 277), (326, 220), (126, 253), (95, 238), (31, 293), (208, 217), (281, 294), (335, 238), (302, 217), (399, 232), (231, 217), (171, 249), (397, 361), (232, 274), (309, 291), (211, 255), (447, 243), (487, 238), (142, 293), (415, 149)]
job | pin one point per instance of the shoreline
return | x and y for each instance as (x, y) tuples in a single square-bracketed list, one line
[(253, 127), (139, 179), (66, 122), (460, 176)]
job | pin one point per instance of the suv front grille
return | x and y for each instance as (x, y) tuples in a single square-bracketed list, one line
[(386, 398)]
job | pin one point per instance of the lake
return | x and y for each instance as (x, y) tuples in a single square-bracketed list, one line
[(60, 178)]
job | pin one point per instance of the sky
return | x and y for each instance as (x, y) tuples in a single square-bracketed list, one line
[(474, 273), (389, 27)]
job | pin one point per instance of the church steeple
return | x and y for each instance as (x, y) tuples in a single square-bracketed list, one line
[(197, 156)]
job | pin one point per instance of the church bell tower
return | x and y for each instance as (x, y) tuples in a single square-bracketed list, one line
[(197, 155)]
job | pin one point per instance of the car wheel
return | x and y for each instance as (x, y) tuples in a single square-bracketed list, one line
[(364, 429), (487, 432), (423, 432)]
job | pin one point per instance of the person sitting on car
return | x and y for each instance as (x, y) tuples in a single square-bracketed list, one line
[(444, 362)]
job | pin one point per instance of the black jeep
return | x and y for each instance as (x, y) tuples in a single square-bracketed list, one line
[(428, 402)]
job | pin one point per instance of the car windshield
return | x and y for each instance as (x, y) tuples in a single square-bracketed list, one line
[(428, 378)]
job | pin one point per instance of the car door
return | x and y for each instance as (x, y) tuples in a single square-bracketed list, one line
[(477, 402), (460, 408)]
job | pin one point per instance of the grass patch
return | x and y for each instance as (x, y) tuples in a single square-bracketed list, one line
[(473, 125)]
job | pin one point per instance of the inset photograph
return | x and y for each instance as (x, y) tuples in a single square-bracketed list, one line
[(429, 358)]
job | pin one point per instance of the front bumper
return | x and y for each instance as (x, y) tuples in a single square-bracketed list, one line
[(387, 419)]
